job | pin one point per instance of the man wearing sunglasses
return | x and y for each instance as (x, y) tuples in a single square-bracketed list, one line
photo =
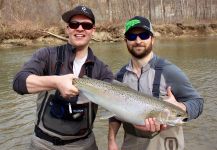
[(152, 75), (61, 123)]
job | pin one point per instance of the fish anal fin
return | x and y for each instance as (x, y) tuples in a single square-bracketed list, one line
[(106, 114), (82, 99)]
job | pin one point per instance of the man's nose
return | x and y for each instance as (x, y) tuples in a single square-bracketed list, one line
[(80, 27), (138, 40)]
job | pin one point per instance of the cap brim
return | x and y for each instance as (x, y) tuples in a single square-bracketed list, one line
[(139, 26), (69, 14)]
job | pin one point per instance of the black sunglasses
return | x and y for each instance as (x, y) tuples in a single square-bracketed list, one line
[(85, 25), (142, 36)]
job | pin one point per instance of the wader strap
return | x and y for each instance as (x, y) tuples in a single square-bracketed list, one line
[(55, 140), (42, 105), (59, 62), (88, 72), (60, 59), (157, 78), (58, 65), (120, 75)]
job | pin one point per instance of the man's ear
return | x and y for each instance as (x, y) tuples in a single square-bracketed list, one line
[(152, 39), (94, 29), (67, 30)]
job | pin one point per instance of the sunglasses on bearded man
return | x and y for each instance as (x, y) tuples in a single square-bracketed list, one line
[(142, 36)]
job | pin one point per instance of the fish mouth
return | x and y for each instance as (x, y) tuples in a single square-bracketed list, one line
[(177, 122), (170, 118)]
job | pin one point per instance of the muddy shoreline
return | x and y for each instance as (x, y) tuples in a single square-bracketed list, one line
[(10, 38)]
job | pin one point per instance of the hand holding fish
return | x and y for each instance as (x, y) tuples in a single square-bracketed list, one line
[(65, 86), (63, 83), (151, 125), (171, 99)]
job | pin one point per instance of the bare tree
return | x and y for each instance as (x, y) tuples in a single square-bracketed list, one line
[(109, 9), (196, 9), (163, 10), (149, 9)]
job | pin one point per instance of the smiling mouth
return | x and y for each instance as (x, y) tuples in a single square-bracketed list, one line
[(79, 35)]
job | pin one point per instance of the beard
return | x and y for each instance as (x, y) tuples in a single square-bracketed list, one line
[(139, 55)]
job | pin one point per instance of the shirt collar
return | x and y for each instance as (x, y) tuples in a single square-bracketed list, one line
[(90, 56), (145, 67)]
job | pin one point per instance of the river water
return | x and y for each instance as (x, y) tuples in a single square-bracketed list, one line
[(197, 57)]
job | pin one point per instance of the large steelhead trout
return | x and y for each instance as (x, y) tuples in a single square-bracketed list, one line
[(127, 104)]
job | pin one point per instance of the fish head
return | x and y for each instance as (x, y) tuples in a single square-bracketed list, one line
[(172, 117)]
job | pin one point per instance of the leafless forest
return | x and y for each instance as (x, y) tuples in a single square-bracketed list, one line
[(28, 19), (48, 12)]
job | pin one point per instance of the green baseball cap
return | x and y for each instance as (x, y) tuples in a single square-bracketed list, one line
[(138, 22)]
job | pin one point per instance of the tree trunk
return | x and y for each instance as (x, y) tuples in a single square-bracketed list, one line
[(109, 10), (149, 10)]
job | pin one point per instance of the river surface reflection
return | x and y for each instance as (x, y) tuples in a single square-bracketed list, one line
[(196, 57)]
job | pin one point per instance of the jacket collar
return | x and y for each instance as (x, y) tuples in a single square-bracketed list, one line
[(145, 67), (90, 55)]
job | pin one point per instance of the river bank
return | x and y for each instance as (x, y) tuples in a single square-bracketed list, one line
[(27, 36)]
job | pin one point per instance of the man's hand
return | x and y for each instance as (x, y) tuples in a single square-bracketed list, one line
[(171, 99), (64, 85), (151, 125)]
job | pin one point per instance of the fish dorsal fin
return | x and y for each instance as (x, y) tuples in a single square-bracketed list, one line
[(105, 114), (86, 77)]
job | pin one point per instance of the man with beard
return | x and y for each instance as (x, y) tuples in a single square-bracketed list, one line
[(152, 75)]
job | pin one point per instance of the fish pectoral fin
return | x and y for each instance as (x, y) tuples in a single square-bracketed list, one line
[(152, 114), (161, 116), (106, 114)]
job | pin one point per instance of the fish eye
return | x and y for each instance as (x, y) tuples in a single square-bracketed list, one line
[(178, 115)]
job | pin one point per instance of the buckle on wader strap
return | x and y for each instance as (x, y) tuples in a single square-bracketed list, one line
[(55, 140), (154, 134)]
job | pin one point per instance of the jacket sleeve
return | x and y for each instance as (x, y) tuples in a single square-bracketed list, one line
[(184, 91), (36, 65), (103, 71)]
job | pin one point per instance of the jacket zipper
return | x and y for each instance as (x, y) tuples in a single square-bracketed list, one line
[(138, 81)]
